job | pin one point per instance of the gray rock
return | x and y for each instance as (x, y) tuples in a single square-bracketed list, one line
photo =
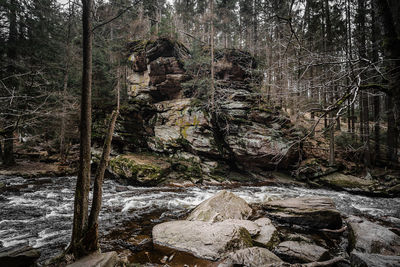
[(202, 239), (250, 226), (300, 252), (369, 237), (251, 257), (268, 233), (108, 259), (313, 212), (222, 206), (359, 259), (18, 256)]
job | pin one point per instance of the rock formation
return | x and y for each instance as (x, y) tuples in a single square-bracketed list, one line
[(164, 118)]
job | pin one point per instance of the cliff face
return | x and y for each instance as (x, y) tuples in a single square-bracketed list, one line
[(160, 117)]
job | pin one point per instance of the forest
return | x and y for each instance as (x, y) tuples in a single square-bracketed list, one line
[(199, 133)]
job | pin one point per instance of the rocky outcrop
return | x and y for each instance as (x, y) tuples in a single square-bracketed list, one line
[(301, 252), (251, 257), (313, 212), (369, 237), (18, 256), (202, 239), (164, 118), (224, 205)]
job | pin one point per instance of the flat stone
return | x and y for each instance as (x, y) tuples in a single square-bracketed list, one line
[(18, 256), (369, 237), (374, 260), (224, 205), (251, 257), (267, 233), (301, 252), (312, 212), (205, 240), (107, 259)]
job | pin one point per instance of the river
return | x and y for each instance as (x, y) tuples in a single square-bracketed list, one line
[(38, 212)]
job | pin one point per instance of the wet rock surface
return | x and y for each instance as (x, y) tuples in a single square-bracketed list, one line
[(369, 237), (310, 212), (18, 256), (300, 252), (252, 257), (374, 260), (107, 259)]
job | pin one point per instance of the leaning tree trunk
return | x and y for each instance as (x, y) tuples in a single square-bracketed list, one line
[(83, 181)]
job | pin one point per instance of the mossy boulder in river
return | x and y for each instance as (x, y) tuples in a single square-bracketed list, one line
[(135, 173)]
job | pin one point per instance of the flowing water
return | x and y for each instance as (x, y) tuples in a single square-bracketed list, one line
[(38, 212)]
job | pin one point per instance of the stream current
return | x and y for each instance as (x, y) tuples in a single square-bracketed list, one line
[(38, 212)]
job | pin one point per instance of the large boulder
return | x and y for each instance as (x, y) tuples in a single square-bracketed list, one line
[(18, 256), (301, 252), (205, 240), (359, 259), (312, 212), (251, 257), (369, 237), (224, 205), (107, 259)]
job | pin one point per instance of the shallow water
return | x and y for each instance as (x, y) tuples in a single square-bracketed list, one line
[(38, 212)]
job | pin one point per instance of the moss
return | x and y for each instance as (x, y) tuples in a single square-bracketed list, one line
[(128, 168), (275, 240), (244, 240)]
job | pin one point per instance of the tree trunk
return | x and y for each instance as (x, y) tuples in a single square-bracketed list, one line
[(364, 112), (8, 157), (65, 86), (12, 54), (83, 181), (212, 95), (376, 97), (91, 239), (392, 54)]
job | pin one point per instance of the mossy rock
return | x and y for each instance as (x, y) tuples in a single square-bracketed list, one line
[(135, 173)]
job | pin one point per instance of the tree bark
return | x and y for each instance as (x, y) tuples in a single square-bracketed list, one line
[(8, 157), (392, 54), (83, 181)]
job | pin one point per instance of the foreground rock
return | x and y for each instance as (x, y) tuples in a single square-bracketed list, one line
[(301, 252), (222, 206), (251, 257), (18, 257), (268, 233), (312, 212), (374, 260), (369, 237), (202, 239), (108, 259)]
